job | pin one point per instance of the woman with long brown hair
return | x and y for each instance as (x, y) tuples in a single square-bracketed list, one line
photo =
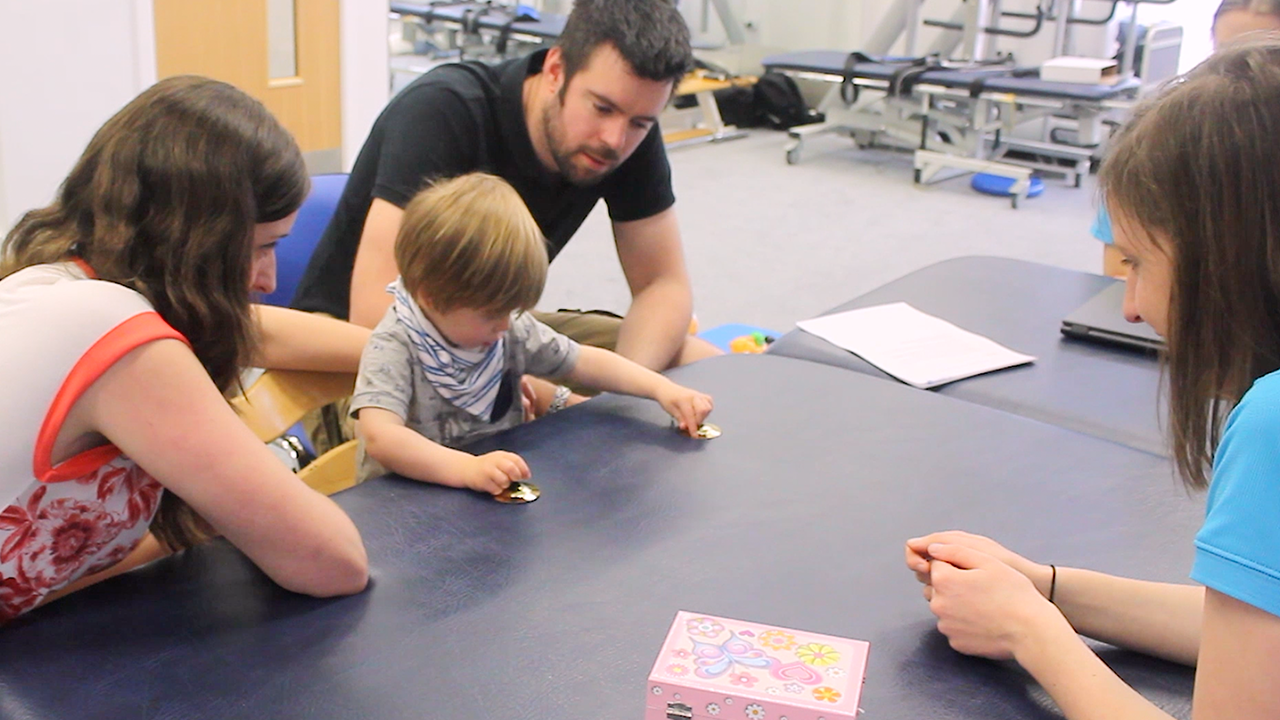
[(125, 308), (1193, 184)]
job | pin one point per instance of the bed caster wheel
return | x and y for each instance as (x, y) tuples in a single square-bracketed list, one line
[(917, 176), (793, 156), (1014, 199), (1079, 179)]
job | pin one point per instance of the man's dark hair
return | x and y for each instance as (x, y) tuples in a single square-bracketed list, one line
[(651, 36)]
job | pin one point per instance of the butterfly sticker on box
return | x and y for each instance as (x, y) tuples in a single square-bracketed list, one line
[(713, 668)]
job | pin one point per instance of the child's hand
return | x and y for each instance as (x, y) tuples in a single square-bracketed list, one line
[(688, 407), (494, 471)]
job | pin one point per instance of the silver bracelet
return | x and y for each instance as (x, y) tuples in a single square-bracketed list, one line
[(560, 400)]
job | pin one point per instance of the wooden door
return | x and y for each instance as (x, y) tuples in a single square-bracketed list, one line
[(235, 41)]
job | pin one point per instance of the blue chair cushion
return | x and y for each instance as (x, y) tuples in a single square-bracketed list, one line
[(294, 252)]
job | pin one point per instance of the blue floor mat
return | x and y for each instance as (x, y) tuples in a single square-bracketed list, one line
[(722, 335)]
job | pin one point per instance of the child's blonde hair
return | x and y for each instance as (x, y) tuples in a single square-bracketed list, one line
[(470, 242)]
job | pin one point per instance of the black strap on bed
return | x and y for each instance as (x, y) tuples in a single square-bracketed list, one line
[(504, 34), (429, 15), (427, 11), (904, 78), (978, 85), (848, 88), (471, 19)]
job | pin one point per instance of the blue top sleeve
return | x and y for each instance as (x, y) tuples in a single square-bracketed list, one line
[(1101, 228), (1238, 547)]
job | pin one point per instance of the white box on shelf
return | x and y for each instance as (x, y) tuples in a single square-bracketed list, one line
[(1080, 70)]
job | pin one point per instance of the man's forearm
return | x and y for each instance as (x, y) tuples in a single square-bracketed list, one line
[(375, 264), (656, 325), (369, 303)]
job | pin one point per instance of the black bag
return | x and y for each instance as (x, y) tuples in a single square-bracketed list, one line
[(738, 107), (780, 104)]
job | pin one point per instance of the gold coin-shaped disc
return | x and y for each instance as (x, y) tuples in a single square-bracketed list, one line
[(518, 493), (707, 431)]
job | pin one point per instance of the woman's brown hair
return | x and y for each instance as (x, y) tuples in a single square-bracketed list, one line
[(164, 201), (1196, 172)]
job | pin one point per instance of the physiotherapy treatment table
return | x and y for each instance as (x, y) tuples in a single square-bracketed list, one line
[(1108, 392), (796, 516), (961, 118)]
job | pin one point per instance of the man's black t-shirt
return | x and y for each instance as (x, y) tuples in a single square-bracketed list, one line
[(462, 118)]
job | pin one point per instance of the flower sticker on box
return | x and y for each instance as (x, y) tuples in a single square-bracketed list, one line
[(704, 627), (772, 672)]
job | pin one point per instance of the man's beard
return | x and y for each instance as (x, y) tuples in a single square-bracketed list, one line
[(553, 131)]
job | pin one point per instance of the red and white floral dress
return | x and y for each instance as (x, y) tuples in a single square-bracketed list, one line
[(60, 330)]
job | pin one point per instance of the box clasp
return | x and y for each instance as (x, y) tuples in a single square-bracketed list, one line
[(679, 711)]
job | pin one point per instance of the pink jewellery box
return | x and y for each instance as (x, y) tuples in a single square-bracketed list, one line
[(713, 668)]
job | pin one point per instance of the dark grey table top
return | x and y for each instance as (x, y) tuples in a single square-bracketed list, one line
[(795, 517), (1100, 390)]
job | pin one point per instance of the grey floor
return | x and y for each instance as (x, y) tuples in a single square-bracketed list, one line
[(769, 243)]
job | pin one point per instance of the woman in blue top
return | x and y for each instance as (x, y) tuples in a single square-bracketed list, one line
[(1196, 213)]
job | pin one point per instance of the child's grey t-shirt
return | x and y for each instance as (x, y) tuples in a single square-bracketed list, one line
[(391, 378)]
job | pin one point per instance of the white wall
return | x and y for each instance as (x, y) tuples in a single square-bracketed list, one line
[(62, 74), (1196, 19), (5, 221), (366, 73), (783, 25), (796, 24)]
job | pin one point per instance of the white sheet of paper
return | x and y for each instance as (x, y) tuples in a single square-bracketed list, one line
[(915, 347)]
